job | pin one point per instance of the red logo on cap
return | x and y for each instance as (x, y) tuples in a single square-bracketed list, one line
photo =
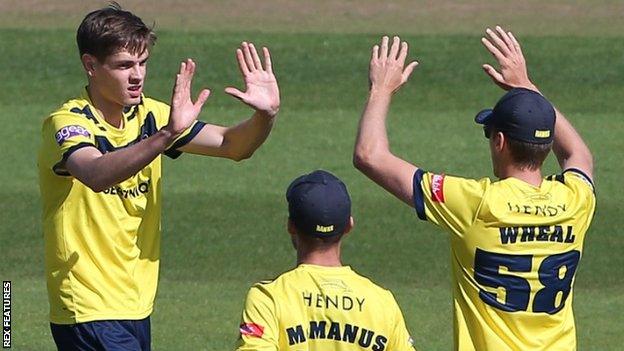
[(437, 188), (251, 329)]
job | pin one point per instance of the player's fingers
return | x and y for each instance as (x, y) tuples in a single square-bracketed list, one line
[(403, 53), (176, 86), (493, 73), (500, 44), (254, 56), (408, 71), (375, 54), (180, 83), (235, 92), (201, 99), (181, 73), (190, 71), (242, 65), (503, 35), (515, 42), (492, 49), (190, 67), (267, 60), (248, 58), (383, 54), (394, 49)]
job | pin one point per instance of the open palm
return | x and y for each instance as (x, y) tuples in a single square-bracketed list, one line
[(261, 89), (183, 110)]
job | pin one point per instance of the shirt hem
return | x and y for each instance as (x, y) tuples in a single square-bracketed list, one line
[(101, 317)]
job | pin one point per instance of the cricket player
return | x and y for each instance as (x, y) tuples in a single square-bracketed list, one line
[(321, 304), (515, 242), (100, 178)]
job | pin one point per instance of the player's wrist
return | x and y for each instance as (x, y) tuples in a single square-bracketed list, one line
[(169, 134), (377, 92), (268, 114)]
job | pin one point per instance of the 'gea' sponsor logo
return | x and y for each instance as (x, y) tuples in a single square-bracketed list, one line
[(68, 132)]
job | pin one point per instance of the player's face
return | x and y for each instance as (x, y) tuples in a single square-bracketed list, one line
[(120, 78)]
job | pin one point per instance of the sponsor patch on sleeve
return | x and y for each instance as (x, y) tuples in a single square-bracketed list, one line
[(69, 132), (437, 187), (251, 329)]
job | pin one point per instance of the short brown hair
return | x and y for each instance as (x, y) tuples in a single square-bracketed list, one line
[(106, 31), (528, 155)]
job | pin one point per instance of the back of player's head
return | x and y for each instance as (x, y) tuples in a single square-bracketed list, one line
[(106, 31), (527, 119), (319, 205)]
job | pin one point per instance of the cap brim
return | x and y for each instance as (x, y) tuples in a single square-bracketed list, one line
[(484, 116)]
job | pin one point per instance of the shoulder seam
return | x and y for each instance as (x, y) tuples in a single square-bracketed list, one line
[(478, 210)]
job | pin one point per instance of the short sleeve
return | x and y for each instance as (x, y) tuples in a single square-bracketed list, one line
[(400, 339), (448, 201), (184, 138), (576, 177), (70, 133), (259, 327), (188, 135), (582, 188)]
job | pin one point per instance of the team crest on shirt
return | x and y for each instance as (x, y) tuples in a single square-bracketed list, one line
[(69, 132), (437, 187), (251, 329)]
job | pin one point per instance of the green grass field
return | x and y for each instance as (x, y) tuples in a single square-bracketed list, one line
[(224, 222)]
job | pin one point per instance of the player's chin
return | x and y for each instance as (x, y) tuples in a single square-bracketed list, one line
[(132, 100)]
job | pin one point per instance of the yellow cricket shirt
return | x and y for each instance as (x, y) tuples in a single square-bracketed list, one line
[(515, 249), (322, 308), (101, 249)]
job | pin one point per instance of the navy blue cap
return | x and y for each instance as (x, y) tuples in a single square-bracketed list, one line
[(521, 114), (319, 204)]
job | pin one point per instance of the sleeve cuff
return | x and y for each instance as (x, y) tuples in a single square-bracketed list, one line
[(584, 176), (59, 167), (419, 201), (173, 152)]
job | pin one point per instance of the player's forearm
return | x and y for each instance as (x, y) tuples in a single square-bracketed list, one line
[(372, 140), (243, 139), (569, 147), (372, 155), (101, 172)]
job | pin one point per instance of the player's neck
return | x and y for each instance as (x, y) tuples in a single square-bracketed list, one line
[(111, 112), (327, 258), (533, 177)]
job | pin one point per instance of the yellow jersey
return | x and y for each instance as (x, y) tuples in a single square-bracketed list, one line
[(515, 249), (101, 249), (322, 308)]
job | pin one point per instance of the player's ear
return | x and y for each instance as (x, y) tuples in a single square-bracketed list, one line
[(291, 227), (89, 62), (499, 141), (292, 230), (350, 225)]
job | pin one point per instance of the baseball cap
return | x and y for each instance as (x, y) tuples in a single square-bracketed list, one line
[(319, 204), (521, 114)]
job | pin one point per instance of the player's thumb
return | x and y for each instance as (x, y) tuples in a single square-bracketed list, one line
[(235, 92), (201, 99), (407, 72), (489, 70)]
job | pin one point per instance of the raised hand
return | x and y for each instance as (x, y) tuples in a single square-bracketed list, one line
[(387, 70), (506, 49), (261, 89), (183, 110)]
